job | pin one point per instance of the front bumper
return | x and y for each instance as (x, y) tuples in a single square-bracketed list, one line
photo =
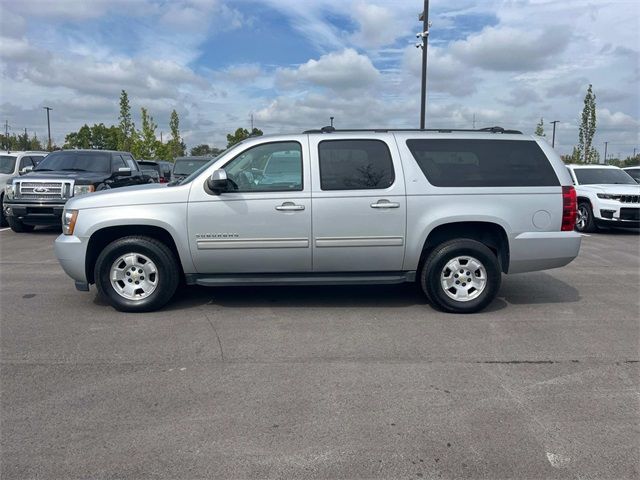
[(35, 213), (71, 253), (615, 213), (532, 251)]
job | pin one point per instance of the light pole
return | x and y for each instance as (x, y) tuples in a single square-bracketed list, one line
[(331, 118), (424, 18), (553, 138), (48, 126), (605, 151)]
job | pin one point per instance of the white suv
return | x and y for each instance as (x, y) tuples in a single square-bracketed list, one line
[(607, 197)]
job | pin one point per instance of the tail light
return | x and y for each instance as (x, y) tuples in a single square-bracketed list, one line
[(163, 180), (569, 208)]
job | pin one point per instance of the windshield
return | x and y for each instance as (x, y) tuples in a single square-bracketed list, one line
[(203, 167), (283, 165), (7, 163), (187, 167), (594, 176), (76, 161)]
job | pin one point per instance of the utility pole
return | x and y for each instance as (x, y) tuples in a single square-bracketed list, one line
[(424, 35), (553, 138), (48, 126), (605, 151), (26, 139), (6, 135), (331, 118), (634, 151), (252, 122)]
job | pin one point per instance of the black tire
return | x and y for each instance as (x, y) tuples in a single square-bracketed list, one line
[(3, 219), (588, 224), (19, 227), (168, 273), (435, 263)]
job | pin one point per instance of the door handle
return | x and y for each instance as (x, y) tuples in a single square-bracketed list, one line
[(289, 207), (385, 204)]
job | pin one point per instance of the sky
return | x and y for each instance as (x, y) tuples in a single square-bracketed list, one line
[(291, 64)]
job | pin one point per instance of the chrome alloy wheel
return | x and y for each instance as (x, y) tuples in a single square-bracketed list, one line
[(134, 276), (582, 217), (463, 278)]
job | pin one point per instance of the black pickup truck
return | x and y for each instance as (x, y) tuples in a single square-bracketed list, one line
[(38, 197)]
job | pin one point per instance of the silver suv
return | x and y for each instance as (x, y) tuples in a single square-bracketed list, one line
[(451, 210)]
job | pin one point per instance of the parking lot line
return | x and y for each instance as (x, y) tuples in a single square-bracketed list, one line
[(585, 235), (6, 228)]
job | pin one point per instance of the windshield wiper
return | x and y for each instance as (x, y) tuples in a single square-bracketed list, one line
[(42, 170), (73, 170)]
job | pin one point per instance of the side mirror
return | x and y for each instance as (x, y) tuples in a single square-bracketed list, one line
[(25, 170), (218, 181), (123, 172)]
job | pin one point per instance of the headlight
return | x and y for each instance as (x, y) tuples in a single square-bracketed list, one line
[(69, 218), (9, 191), (82, 189), (608, 196)]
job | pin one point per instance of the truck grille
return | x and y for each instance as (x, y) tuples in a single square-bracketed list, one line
[(630, 198), (44, 190)]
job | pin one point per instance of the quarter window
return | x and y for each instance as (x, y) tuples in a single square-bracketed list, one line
[(483, 163), (355, 165), (270, 167)]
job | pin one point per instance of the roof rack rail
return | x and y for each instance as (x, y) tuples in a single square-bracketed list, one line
[(329, 129)]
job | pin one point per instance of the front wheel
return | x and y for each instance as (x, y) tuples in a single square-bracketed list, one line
[(461, 276), (584, 220), (137, 274), (17, 225)]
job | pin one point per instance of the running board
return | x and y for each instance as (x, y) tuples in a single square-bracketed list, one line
[(359, 278)]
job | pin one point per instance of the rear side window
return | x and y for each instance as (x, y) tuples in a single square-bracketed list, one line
[(355, 165), (483, 163)]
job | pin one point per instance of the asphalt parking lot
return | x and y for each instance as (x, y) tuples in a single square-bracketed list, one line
[(323, 382)]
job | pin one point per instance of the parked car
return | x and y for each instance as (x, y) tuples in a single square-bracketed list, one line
[(160, 171), (450, 210), (38, 197), (150, 170), (607, 197), (185, 166), (634, 172), (13, 164)]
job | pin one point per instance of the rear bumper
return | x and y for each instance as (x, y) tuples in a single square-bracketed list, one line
[(532, 251), (71, 252)]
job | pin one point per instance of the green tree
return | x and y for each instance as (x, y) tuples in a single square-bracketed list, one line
[(241, 134), (34, 143), (163, 151), (540, 128), (176, 146), (585, 150), (146, 141), (127, 134), (203, 150)]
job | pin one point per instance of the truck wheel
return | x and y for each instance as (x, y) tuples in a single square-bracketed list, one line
[(584, 220), (137, 274), (461, 276), (19, 227)]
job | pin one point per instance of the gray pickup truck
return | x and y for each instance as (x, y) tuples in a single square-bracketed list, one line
[(449, 209)]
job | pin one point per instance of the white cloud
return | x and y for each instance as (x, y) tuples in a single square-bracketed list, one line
[(378, 26), (337, 70), (509, 49)]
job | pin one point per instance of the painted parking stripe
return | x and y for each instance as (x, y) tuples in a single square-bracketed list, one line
[(3, 229), (585, 235)]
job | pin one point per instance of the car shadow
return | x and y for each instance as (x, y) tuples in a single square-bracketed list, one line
[(526, 289)]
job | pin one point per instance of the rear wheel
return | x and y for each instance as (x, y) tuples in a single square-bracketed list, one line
[(17, 225), (461, 276), (137, 274), (584, 220)]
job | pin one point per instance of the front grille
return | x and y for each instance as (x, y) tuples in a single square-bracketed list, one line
[(630, 198), (43, 190)]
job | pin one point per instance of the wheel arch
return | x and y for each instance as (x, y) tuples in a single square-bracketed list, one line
[(104, 236), (491, 234)]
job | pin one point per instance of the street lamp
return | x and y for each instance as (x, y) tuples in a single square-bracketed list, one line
[(48, 126)]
